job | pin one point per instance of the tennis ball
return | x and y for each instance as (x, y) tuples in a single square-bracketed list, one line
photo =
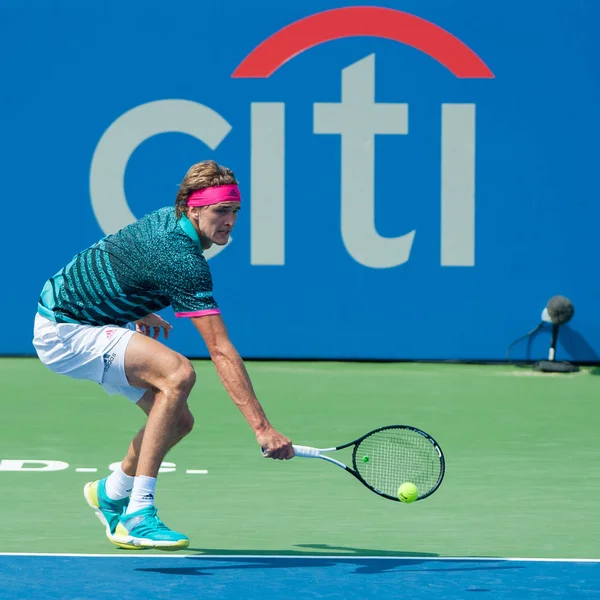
[(408, 492), (365, 459)]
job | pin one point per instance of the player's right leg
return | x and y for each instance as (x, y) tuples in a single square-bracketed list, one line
[(151, 365)]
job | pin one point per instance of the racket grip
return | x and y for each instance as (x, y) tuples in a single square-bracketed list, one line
[(306, 452)]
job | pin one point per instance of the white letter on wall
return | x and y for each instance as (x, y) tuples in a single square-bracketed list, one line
[(357, 118), (267, 216), (458, 185)]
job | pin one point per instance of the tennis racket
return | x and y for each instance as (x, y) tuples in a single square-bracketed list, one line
[(385, 458)]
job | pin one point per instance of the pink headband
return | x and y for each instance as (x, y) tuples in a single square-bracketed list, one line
[(215, 195)]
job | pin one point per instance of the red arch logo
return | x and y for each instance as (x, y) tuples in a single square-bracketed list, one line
[(371, 21)]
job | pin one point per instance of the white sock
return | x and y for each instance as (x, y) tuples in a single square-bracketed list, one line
[(142, 495), (119, 485)]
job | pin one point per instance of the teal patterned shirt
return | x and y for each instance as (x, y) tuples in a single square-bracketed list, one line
[(151, 264)]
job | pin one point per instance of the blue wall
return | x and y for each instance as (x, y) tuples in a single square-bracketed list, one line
[(476, 129)]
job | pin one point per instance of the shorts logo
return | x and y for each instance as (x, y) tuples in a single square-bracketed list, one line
[(109, 333), (108, 360)]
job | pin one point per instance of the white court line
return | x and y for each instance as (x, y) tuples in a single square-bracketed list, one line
[(311, 557), (85, 470), (197, 471)]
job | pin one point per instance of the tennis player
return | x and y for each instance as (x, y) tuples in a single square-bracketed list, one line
[(96, 320)]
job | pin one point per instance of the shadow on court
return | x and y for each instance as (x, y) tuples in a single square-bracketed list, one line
[(321, 556), (362, 566)]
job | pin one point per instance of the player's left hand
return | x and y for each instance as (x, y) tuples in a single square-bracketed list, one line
[(151, 326)]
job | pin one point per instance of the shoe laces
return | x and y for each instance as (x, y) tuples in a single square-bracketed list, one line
[(158, 523)]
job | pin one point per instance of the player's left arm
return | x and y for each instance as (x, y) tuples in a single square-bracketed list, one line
[(189, 288)]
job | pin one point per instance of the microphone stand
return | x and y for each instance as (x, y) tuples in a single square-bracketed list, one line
[(551, 365)]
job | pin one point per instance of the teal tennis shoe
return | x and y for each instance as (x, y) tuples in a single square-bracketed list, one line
[(143, 529)]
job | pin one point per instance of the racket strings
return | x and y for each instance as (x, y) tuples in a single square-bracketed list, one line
[(396, 456)]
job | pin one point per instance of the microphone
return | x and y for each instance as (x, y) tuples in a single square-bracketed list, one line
[(559, 310)]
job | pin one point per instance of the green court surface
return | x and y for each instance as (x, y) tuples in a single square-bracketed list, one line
[(521, 447)]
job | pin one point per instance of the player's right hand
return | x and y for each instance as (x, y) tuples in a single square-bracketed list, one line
[(275, 445), (151, 325)]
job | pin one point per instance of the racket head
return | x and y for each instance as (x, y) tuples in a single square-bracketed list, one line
[(398, 454)]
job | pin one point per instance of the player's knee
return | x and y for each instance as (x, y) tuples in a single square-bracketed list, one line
[(181, 379)]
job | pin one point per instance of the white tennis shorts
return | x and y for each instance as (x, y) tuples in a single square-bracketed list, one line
[(95, 353)]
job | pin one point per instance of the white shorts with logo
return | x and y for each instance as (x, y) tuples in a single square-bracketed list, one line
[(95, 353)]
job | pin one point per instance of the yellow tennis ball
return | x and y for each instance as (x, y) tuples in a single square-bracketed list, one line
[(408, 492)]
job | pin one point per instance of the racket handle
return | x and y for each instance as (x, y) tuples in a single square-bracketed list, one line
[(306, 452)]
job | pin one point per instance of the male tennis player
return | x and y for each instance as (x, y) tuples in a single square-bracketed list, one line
[(96, 321)]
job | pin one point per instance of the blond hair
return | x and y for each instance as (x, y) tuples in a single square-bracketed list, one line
[(202, 175)]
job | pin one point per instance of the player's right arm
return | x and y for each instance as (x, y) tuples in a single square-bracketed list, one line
[(235, 379)]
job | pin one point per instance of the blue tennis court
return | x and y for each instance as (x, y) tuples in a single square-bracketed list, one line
[(257, 577)]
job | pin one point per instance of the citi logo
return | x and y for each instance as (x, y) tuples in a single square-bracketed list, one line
[(356, 118)]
